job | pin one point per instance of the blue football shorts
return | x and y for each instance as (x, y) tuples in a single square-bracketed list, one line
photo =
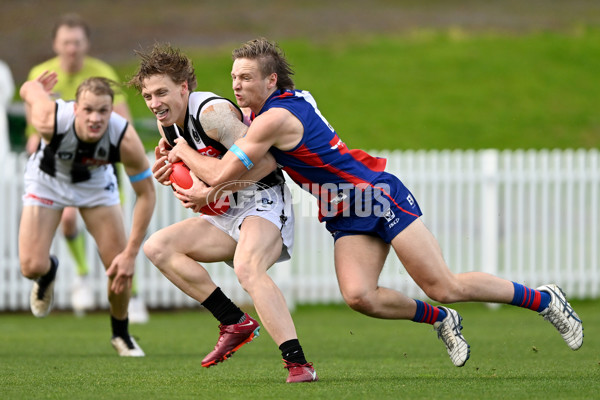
[(385, 209)]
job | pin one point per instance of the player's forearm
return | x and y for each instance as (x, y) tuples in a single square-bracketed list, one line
[(261, 169), (39, 107), (142, 214), (204, 167)]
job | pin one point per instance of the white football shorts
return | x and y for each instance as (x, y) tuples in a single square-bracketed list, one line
[(44, 190), (273, 204)]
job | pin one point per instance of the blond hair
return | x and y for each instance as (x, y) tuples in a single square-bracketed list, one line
[(271, 59), (164, 60), (97, 85)]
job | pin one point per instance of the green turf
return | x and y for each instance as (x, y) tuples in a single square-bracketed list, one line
[(514, 355), (439, 89)]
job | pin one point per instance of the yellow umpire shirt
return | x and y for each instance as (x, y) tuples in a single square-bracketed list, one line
[(67, 84)]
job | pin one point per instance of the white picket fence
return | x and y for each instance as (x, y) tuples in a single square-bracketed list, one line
[(528, 216)]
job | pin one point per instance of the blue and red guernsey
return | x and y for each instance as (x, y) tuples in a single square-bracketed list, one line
[(322, 163)]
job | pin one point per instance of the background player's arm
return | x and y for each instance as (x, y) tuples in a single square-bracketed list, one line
[(40, 107), (32, 137), (135, 162)]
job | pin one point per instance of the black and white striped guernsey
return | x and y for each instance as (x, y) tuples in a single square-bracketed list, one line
[(197, 139), (70, 159)]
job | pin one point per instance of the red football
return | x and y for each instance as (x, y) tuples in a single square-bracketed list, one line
[(181, 176), (214, 209)]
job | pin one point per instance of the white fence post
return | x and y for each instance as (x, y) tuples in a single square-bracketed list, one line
[(489, 212)]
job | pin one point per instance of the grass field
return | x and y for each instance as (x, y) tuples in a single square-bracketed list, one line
[(514, 355)]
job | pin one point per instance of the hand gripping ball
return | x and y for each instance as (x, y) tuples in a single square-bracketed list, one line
[(181, 176)]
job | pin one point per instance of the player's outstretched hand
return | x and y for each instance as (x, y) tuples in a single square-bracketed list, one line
[(48, 80)]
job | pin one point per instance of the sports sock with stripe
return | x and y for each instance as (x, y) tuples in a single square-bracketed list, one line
[(426, 313), (530, 298)]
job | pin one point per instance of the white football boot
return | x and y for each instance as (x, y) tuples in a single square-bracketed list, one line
[(449, 331), (125, 349), (560, 314), (42, 292)]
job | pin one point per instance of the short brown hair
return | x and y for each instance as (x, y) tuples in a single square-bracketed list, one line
[(72, 21), (271, 59), (98, 86), (164, 60)]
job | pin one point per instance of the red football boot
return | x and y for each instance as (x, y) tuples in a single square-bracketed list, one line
[(231, 338), (300, 372)]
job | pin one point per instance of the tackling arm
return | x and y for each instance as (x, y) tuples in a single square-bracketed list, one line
[(255, 144)]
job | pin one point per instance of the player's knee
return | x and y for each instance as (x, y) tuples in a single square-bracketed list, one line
[(244, 273), (33, 268), (440, 293), (149, 249), (70, 231), (357, 300), (247, 273), (155, 251), (439, 296), (69, 225)]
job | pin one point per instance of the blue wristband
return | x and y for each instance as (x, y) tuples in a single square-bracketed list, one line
[(242, 156), (142, 175)]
